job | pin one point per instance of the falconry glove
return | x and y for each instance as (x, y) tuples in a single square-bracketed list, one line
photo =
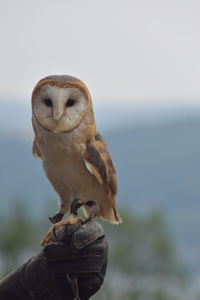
[(72, 267)]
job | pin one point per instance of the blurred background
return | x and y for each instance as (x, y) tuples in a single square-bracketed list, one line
[(141, 62)]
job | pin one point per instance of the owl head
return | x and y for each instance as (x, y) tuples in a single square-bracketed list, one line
[(60, 103)]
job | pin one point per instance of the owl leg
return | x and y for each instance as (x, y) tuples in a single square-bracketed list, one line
[(71, 219), (64, 206), (92, 209)]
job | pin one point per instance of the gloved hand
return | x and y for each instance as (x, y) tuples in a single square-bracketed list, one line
[(73, 267), (81, 252)]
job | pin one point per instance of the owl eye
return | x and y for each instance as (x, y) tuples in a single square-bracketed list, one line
[(48, 102), (70, 102)]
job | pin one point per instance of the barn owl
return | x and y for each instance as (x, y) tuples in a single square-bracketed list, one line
[(74, 155)]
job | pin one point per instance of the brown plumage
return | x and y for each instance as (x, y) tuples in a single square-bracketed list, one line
[(103, 169)]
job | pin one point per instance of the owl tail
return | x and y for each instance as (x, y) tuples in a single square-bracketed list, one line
[(106, 212), (111, 216)]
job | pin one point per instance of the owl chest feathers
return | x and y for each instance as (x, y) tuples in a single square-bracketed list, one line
[(62, 157)]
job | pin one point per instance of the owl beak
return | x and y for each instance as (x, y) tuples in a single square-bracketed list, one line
[(58, 111), (57, 115)]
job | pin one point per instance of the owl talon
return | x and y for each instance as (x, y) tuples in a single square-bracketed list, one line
[(49, 237), (54, 232), (56, 218), (75, 205), (94, 209)]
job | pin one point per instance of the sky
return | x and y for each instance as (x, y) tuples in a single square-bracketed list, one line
[(128, 52)]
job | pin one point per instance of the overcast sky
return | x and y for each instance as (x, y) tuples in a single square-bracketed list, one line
[(128, 52)]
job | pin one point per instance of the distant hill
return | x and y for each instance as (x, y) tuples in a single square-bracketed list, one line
[(158, 168)]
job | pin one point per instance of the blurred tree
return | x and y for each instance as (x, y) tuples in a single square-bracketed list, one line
[(17, 237), (142, 261)]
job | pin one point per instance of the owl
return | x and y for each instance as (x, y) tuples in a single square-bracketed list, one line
[(74, 155)]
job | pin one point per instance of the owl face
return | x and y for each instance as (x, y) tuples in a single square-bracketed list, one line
[(59, 108)]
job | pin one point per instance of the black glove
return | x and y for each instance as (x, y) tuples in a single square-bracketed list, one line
[(81, 252), (73, 267)]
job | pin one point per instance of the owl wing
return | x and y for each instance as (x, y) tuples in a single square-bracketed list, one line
[(35, 149), (98, 161)]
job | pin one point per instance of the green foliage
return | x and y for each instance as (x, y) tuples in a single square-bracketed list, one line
[(17, 237), (141, 244), (142, 261)]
